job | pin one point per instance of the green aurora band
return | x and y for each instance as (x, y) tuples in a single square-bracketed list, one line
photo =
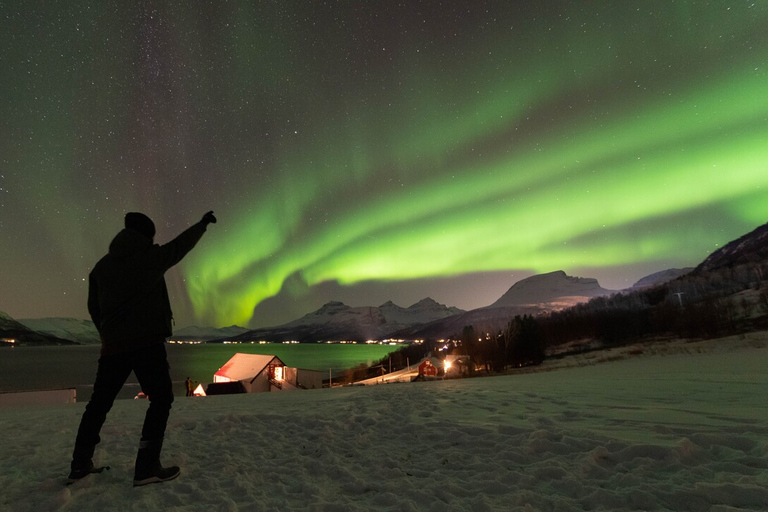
[(595, 149), (362, 143)]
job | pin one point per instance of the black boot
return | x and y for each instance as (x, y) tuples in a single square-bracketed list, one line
[(82, 463), (148, 468)]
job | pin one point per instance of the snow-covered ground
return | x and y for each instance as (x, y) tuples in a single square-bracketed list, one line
[(683, 431)]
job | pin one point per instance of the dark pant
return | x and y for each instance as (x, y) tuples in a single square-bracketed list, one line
[(151, 368)]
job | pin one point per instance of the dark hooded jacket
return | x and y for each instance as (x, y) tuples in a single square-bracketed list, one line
[(127, 296)]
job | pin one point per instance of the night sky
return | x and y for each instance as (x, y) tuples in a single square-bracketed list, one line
[(364, 151)]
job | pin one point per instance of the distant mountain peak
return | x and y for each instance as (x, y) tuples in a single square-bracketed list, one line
[(331, 308), (337, 321), (548, 287), (81, 331), (660, 277), (23, 335)]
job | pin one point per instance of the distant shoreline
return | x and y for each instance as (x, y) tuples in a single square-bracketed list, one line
[(63, 367)]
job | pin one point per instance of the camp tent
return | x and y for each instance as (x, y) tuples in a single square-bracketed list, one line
[(199, 391)]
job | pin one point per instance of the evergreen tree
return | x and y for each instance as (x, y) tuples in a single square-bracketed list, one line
[(527, 347)]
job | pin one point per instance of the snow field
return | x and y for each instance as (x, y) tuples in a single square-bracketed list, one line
[(680, 432)]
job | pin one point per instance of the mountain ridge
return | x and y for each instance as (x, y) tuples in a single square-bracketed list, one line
[(749, 248), (81, 331), (335, 320), (541, 293), (14, 333), (547, 287)]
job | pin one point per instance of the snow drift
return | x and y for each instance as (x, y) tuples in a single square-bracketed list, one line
[(682, 432)]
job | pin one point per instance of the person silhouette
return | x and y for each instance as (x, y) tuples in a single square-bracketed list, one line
[(188, 386), (128, 302)]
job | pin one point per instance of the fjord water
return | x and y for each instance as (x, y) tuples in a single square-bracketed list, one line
[(45, 368)]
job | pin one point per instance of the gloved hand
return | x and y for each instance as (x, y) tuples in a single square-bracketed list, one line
[(208, 218)]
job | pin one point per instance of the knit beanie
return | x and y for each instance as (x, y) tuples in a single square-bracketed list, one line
[(141, 223)]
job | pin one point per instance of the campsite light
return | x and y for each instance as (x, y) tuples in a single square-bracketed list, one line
[(447, 365)]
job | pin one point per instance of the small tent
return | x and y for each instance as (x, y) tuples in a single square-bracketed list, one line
[(199, 391)]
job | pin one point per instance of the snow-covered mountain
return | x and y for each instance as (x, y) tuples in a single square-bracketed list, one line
[(537, 294), (81, 331), (554, 288), (13, 333), (195, 333), (338, 321)]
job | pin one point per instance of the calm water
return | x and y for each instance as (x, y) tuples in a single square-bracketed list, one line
[(38, 368)]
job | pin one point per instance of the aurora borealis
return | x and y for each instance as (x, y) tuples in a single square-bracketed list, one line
[(367, 151)]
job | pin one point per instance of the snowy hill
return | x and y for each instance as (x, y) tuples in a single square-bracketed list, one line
[(553, 287), (338, 321), (660, 277), (81, 331), (15, 333)]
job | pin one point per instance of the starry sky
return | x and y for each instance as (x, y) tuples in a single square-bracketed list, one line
[(369, 151)]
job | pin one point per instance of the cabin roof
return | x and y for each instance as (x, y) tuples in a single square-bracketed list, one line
[(246, 366)]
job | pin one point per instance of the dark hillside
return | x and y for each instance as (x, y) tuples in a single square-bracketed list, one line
[(750, 249), (726, 293)]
